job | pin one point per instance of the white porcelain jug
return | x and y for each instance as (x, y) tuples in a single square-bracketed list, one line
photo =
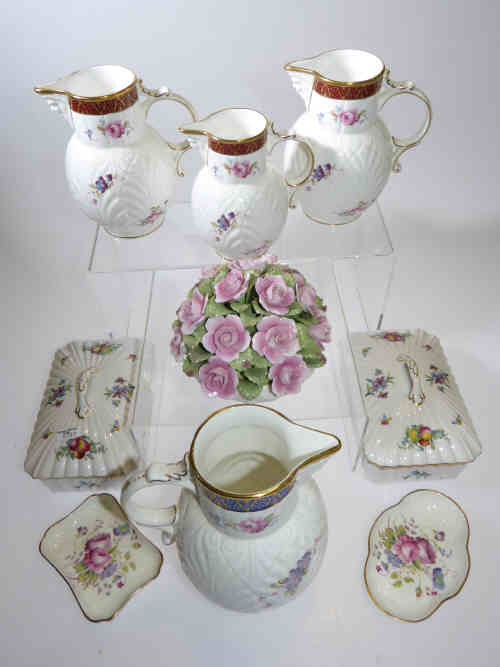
[(239, 200), (250, 525), (120, 171), (344, 91)]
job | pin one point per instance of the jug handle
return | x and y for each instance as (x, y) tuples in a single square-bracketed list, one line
[(155, 475), (293, 137), (405, 88), (161, 94)]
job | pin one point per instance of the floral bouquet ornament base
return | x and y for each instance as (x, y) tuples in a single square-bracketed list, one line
[(252, 329), (101, 556), (418, 555)]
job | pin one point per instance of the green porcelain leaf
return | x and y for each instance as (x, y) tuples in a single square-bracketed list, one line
[(249, 390)]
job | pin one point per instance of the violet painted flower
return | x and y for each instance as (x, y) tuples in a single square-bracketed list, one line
[(349, 117), (321, 332), (176, 344), (231, 287), (274, 294), (191, 312), (115, 130), (226, 337), (306, 296), (287, 377), (276, 338), (218, 378), (438, 578)]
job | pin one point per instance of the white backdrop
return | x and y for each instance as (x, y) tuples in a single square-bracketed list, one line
[(443, 215)]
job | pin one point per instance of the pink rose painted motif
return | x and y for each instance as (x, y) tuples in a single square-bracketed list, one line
[(241, 168), (287, 377), (97, 556), (115, 129), (322, 331), (217, 378), (274, 294), (191, 312), (226, 337), (276, 338), (176, 344), (409, 557), (348, 117), (231, 287)]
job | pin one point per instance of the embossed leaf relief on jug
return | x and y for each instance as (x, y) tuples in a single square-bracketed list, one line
[(239, 199), (344, 90), (250, 524), (120, 171)]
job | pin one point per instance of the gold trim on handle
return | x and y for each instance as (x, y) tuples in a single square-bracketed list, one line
[(293, 137), (284, 482)]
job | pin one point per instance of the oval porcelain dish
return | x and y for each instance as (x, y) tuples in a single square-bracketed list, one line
[(418, 555), (102, 557)]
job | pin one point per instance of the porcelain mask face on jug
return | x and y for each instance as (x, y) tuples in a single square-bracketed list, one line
[(249, 512), (120, 171), (239, 200), (344, 90)]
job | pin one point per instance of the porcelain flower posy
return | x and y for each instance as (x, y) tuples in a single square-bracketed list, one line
[(250, 331)]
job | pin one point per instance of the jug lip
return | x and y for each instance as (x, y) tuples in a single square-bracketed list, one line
[(290, 67), (43, 90), (222, 140), (287, 480)]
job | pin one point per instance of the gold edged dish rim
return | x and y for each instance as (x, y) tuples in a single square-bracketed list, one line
[(369, 554), (132, 593), (288, 479)]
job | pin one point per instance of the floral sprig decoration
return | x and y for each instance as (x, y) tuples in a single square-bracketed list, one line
[(250, 326)]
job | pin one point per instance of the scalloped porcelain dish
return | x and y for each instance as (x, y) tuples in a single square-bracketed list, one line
[(102, 557), (418, 555), (82, 436), (418, 420)]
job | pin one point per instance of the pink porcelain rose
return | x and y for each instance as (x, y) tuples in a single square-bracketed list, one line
[(217, 378), (274, 294), (306, 296), (191, 312), (276, 338), (349, 117), (176, 344), (97, 556), (242, 169), (226, 337), (231, 287), (287, 377), (322, 331)]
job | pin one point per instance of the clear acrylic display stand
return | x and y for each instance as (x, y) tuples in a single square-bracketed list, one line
[(351, 267)]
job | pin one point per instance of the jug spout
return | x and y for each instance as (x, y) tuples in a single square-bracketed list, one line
[(302, 77), (56, 96), (309, 450)]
